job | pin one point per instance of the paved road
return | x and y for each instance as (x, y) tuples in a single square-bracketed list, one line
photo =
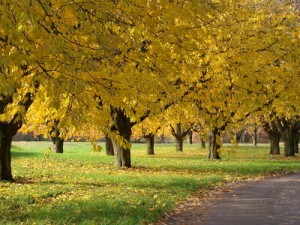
[(267, 202)]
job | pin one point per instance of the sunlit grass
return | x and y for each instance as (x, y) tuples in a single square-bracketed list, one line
[(84, 187)]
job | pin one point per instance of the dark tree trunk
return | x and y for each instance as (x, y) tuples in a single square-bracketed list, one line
[(58, 144), (214, 145), (179, 135), (122, 155), (288, 138), (179, 144), (274, 143), (202, 143), (122, 126), (162, 138), (150, 144), (109, 146), (236, 138), (289, 130), (255, 137), (7, 131), (5, 156), (238, 135), (190, 137), (296, 142), (274, 133)]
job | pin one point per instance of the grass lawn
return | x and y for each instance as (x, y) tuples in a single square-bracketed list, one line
[(83, 187)]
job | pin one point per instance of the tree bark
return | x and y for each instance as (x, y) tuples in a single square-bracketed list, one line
[(122, 126), (7, 131), (58, 144), (179, 135), (275, 134), (202, 140), (122, 155), (150, 144), (202, 143), (296, 142), (274, 143), (288, 138), (238, 135), (255, 136), (5, 156), (162, 139), (179, 144), (109, 146), (214, 146), (190, 137)]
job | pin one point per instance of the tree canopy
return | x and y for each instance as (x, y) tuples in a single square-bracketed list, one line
[(111, 64)]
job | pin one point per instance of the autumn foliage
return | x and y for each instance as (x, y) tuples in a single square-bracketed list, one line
[(109, 65)]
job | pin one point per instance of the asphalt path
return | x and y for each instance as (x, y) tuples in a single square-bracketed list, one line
[(273, 201)]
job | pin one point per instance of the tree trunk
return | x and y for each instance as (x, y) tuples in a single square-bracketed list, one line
[(58, 144), (214, 146), (274, 134), (238, 135), (122, 126), (274, 143), (163, 138), (179, 144), (296, 142), (202, 140), (255, 137), (109, 146), (7, 131), (190, 137), (122, 155), (202, 143), (179, 135), (288, 138), (150, 144)]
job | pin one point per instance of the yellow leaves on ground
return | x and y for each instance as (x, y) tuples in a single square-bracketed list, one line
[(79, 185)]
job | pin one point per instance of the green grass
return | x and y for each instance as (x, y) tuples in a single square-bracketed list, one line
[(83, 187)]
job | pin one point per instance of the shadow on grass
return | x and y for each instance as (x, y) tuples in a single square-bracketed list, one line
[(18, 154), (95, 211)]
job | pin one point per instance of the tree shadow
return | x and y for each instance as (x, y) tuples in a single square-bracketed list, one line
[(17, 154)]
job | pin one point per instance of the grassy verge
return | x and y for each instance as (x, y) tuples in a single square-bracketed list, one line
[(83, 187)]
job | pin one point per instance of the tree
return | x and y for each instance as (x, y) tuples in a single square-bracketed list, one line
[(20, 73), (109, 146), (289, 129), (123, 61), (276, 71), (253, 129), (32, 53), (199, 128), (190, 137), (156, 31), (57, 140), (296, 141), (54, 115), (274, 135), (147, 129), (266, 83), (179, 133)]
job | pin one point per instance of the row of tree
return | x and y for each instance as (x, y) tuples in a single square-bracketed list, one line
[(69, 67)]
